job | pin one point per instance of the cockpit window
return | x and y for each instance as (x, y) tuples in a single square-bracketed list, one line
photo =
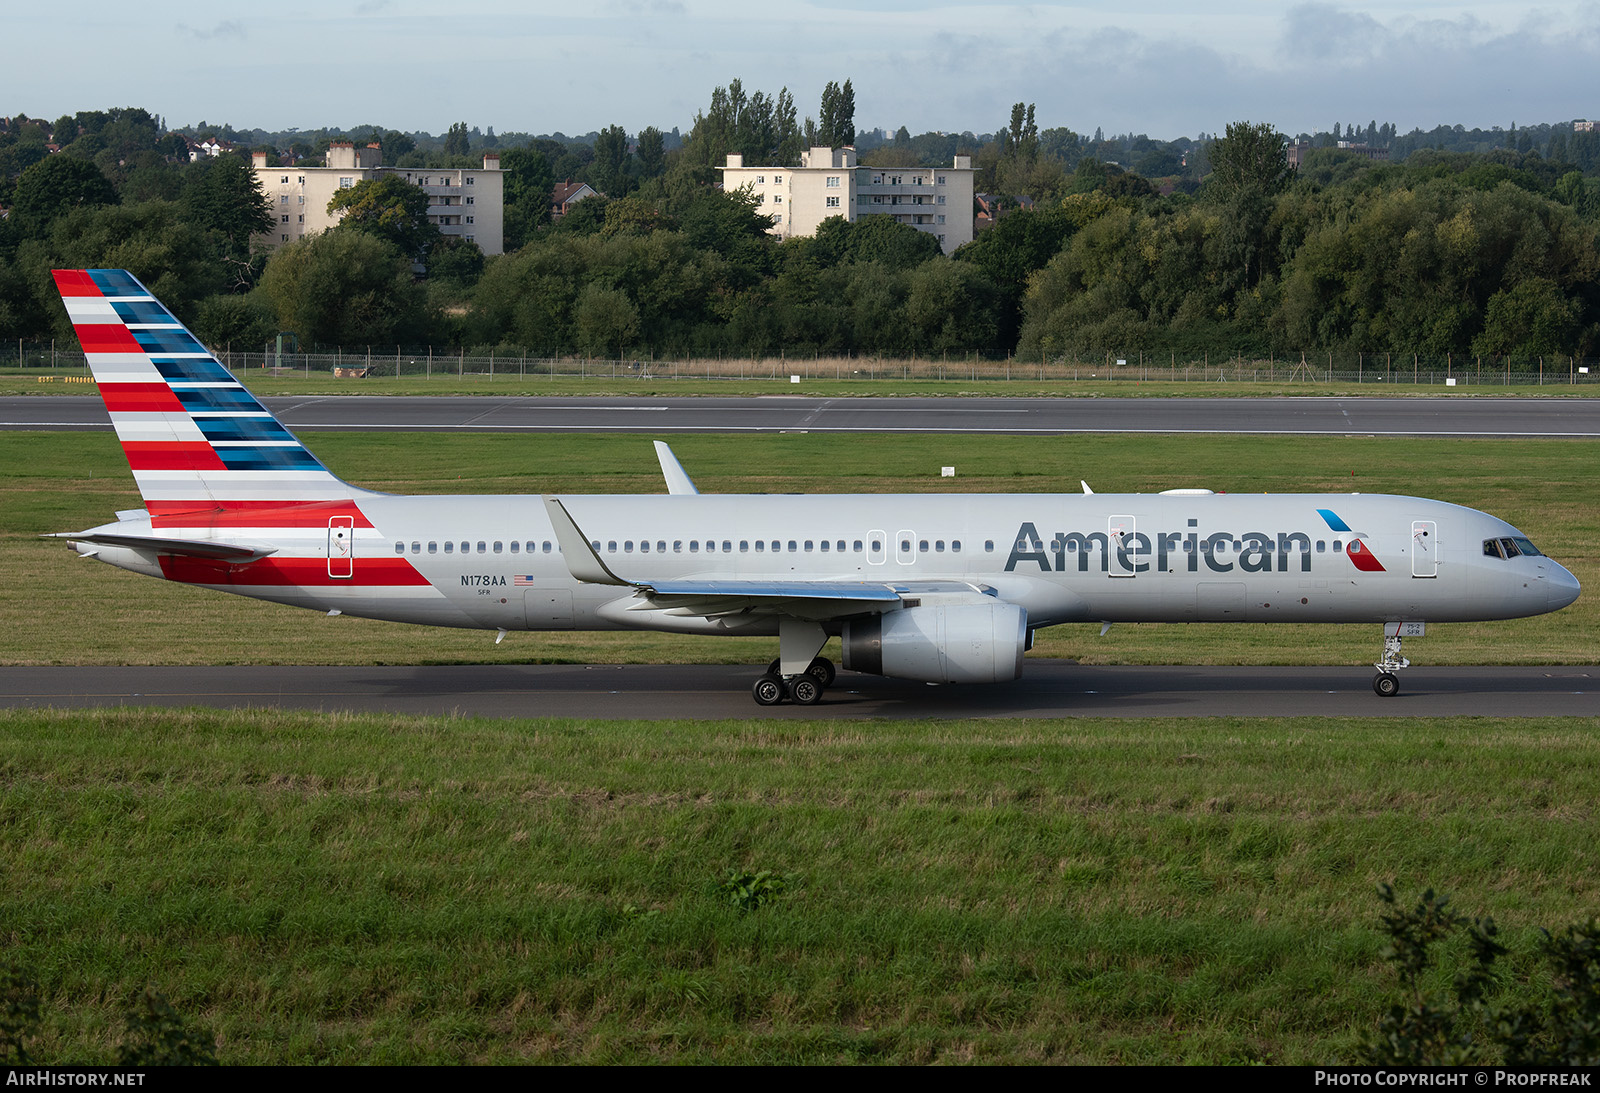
[(1510, 547)]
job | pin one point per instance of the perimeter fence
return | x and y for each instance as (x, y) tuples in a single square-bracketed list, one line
[(424, 363)]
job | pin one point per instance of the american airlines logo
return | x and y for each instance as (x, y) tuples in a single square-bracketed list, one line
[(1132, 551)]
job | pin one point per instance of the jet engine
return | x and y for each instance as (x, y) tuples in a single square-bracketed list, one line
[(940, 643)]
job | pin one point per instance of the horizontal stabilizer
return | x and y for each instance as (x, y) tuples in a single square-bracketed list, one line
[(239, 552)]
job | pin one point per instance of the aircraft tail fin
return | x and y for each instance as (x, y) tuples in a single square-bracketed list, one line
[(196, 439)]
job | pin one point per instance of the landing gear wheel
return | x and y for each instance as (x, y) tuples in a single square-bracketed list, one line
[(804, 690), (1386, 684), (767, 691), (775, 669), (821, 670)]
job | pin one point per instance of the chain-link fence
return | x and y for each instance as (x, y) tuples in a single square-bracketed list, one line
[(427, 363)]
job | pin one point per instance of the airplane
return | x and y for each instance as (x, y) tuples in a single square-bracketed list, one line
[(938, 588)]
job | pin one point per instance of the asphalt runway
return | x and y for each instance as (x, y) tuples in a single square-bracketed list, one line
[(1520, 417), (1049, 688)]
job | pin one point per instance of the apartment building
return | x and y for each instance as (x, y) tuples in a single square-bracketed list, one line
[(829, 182), (466, 203)]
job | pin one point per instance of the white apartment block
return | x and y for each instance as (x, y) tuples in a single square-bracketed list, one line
[(466, 203), (828, 182)]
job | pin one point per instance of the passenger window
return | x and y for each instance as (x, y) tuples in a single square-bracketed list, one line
[(433, 548), (449, 547), (1338, 546), (515, 546), (399, 548), (611, 546), (792, 547), (644, 546), (481, 546), (546, 546), (627, 546), (955, 546), (858, 546), (1322, 548), (761, 544), (922, 547), (416, 547), (841, 546), (744, 545), (938, 546), (988, 546), (905, 546), (694, 546), (466, 548), (727, 546), (661, 546), (824, 546), (498, 546)]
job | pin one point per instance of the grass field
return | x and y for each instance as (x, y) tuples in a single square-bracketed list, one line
[(58, 609), (377, 889)]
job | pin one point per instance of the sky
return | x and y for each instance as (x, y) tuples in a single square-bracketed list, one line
[(1161, 67)]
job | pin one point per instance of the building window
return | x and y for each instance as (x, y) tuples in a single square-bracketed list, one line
[(285, 238), (833, 182), (777, 199), (941, 199), (302, 180), (777, 180), (284, 200), (469, 219), (302, 218), (778, 219), (284, 180), (302, 199), (916, 180), (346, 183), (469, 201), (470, 180), (941, 180), (761, 180), (285, 218), (877, 180), (833, 203)]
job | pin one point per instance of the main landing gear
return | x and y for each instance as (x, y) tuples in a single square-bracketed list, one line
[(804, 689), (1386, 684)]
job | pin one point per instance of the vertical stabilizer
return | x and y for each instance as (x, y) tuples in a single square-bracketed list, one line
[(196, 439)]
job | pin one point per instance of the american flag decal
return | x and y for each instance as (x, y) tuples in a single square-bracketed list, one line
[(522, 579)]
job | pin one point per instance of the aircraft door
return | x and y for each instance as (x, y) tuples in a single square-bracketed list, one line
[(877, 547), (341, 547), (1121, 545), (905, 546), (1424, 548)]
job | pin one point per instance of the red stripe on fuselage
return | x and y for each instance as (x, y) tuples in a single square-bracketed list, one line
[(172, 455), (106, 338), (252, 514), (75, 282), (140, 398), (286, 572)]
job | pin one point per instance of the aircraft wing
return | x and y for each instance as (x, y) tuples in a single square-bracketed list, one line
[(714, 597)]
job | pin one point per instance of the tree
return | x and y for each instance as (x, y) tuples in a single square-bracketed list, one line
[(652, 156), (609, 172), (391, 209), (837, 124), (224, 195), (1249, 157), (457, 142), (55, 186), (605, 319), (345, 288)]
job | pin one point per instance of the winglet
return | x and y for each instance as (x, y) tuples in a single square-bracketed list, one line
[(677, 479), (582, 561)]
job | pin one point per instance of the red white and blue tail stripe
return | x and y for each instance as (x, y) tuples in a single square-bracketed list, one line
[(197, 440)]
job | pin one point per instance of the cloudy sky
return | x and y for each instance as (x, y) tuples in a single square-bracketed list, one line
[(1161, 67)]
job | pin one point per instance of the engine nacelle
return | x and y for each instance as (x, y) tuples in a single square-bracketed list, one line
[(940, 643)]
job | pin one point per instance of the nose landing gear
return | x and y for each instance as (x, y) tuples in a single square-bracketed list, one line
[(1386, 684)]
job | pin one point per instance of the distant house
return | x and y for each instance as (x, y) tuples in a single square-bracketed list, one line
[(1295, 154), (567, 194), (991, 207), (212, 147)]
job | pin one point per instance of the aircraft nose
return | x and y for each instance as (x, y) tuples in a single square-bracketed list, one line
[(1562, 587)]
